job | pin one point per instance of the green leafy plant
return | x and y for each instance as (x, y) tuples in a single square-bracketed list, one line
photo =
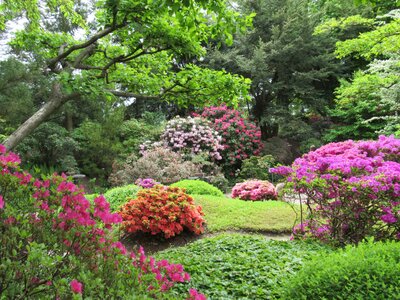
[(235, 266), (120, 195), (198, 187), (367, 271), (257, 167)]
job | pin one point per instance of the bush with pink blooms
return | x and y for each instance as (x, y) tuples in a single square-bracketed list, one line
[(352, 188), (254, 190), (55, 244), (190, 136), (241, 138)]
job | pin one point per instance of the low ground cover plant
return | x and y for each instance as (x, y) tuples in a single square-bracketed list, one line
[(368, 271), (162, 210), (352, 188), (221, 213), (198, 187), (254, 190), (55, 244), (235, 266)]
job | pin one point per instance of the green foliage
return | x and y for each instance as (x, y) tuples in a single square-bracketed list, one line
[(233, 266), (51, 146), (367, 271), (118, 196), (369, 104), (256, 167), (198, 187), (223, 213)]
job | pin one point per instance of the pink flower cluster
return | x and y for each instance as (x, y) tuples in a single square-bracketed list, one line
[(146, 183), (356, 186), (254, 190), (240, 137), (190, 136), (60, 207)]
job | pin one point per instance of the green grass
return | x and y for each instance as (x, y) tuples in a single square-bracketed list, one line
[(224, 214), (237, 266)]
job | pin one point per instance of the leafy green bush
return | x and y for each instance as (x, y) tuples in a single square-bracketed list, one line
[(234, 266), (256, 167), (368, 271), (120, 195), (198, 187)]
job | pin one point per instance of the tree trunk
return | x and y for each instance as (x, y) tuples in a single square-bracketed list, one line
[(56, 101)]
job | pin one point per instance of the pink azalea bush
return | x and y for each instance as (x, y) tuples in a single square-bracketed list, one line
[(189, 136), (254, 190), (241, 138), (54, 243), (353, 190)]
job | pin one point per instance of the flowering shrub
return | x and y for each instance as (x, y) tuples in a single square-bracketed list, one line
[(146, 183), (353, 190), (164, 210), (254, 190), (240, 137), (55, 244), (161, 164), (190, 136)]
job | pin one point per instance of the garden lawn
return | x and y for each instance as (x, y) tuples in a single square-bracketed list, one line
[(224, 214)]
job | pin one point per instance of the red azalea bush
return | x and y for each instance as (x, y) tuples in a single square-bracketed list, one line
[(254, 190), (241, 138), (164, 210), (55, 244), (353, 190)]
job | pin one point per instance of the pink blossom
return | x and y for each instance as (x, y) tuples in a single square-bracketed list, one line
[(76, 286)]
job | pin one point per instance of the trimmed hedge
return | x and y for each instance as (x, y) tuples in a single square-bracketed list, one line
[(120, 195), (198, 187), (368, 271)]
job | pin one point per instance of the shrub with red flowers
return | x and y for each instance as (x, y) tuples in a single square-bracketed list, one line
[(254, 190), (55, 244), (162, 209), (352, 188), (241, 138)]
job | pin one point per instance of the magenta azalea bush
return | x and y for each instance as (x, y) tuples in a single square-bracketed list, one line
[(241, 138), (189, 136), (55, 244), (254, 190), (353, 190)]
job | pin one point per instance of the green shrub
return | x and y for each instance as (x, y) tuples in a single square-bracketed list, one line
[(120, 195), (198, 187), (256, 167), (369, 271), (235, 266)]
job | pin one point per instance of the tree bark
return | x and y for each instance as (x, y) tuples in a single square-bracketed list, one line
[(56, 101)]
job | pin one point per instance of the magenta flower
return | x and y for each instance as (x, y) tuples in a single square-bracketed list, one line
[(1, 202), (76, 286)]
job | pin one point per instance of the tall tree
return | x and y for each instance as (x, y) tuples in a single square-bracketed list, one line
[(132, 49), (287, 64)]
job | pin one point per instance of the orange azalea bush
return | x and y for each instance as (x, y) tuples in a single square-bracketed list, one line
[(162, 209)]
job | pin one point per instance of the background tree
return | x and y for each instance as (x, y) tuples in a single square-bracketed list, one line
[(128, 39)]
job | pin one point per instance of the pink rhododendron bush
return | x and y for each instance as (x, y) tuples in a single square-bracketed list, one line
[(353, 190), (254, 190), (55, 244), (241, 138)]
